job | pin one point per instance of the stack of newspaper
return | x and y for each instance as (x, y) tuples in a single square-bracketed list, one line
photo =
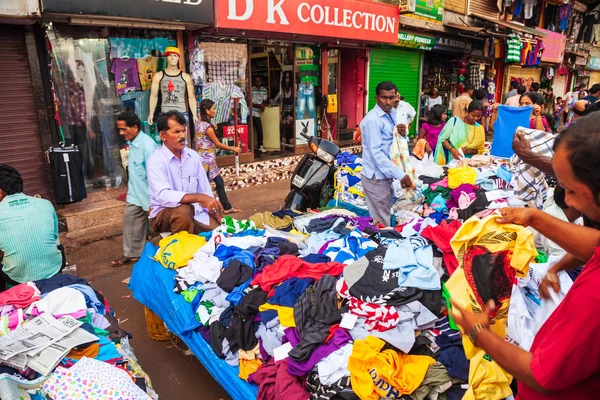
[(42, 343)]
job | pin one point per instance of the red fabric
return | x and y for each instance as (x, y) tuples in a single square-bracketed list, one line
[(276, 383), (331, 332), (20, 296), (289, 266), (441, 235), (377, 317), (566, 350)]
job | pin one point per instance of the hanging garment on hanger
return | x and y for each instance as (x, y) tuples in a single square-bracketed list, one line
[(513, 52)]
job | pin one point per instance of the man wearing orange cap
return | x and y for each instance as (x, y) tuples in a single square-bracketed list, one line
[(175, 86)]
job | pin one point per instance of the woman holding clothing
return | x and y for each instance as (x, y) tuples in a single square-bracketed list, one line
[(464, 135), (564, 360), (538, 119), (206, 144)]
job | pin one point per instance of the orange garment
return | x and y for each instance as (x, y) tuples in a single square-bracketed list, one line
[(387, 374), (248, 367), (90, 352)]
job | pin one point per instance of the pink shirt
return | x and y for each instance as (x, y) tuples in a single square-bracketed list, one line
[(432, 133), (513, 101), (170, 179)]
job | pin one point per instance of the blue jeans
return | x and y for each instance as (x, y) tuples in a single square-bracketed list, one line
[(306, 101)]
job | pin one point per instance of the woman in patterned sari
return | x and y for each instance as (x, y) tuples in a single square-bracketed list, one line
[(464, 136), (206, 143)]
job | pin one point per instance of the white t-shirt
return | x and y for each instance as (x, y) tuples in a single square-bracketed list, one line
[(432, 102), (405, 113)]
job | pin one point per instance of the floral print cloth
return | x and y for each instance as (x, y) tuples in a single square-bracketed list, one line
[(92, 379)]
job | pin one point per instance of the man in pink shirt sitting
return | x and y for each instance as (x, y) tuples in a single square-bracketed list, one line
[(181, 198)]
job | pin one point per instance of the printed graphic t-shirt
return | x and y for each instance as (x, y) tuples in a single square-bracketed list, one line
[(147, 68), (126, 75)]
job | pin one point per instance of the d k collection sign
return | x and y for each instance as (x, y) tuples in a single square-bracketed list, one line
[(344, 19)]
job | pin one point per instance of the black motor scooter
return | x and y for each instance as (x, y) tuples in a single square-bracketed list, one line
[(313, 180)]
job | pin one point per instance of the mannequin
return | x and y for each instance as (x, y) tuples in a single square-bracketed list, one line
[(174, 85)]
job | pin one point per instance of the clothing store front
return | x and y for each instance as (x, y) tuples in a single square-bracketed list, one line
[(311, 64), (449, 66), (102, 63)]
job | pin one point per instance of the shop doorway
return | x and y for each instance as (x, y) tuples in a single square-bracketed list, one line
[(345, 95), (273, 103)]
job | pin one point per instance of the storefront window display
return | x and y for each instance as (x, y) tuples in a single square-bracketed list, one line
[(308, 99), (275, 67), (96, 74), (219, 73)]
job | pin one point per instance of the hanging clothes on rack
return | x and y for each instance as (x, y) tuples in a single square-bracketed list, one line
[(221, 94), (514, 47)]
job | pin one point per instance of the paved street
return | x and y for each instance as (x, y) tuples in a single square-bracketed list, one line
[(174, 374)]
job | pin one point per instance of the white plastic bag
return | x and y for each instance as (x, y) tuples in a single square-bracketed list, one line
[(427, 166)]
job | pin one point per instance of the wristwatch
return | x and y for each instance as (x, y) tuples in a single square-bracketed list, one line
[(475, 331)]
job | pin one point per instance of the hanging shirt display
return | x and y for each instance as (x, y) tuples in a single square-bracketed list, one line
[(126, 75), (146, 69), (513, 53)]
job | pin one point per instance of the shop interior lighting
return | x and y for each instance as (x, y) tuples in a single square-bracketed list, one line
[(126, 23)]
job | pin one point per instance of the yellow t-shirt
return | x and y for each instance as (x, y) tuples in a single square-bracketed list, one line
[(509, 244), (146, 69), (176, 250), (286, 314), (387, 374)]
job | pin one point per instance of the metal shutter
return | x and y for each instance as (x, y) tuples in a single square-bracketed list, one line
[(489, 8), (458, 6), (403, 67), (20, 142)]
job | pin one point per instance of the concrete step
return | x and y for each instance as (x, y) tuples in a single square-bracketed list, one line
[(85, 216), (93, 233)]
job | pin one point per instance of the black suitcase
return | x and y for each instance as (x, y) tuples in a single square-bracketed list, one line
[(67, 174)]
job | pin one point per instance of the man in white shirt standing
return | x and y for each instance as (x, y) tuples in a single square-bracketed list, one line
[(405, 113)]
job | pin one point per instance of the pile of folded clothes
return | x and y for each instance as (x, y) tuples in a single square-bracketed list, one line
[(60, 339)]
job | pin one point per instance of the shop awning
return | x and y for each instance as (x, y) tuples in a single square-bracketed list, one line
[(512, 25), (472, 29)]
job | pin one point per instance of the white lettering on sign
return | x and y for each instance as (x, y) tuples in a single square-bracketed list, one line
[(187, 2), (276, 8), (344, 17), (233, 11)]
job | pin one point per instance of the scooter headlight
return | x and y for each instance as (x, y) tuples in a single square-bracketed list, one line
[(325, 156)]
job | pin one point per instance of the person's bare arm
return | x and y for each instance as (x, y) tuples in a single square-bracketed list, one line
[(154, 95), (210, 132), (522, 148)]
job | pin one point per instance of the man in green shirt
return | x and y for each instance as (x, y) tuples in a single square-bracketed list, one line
[(28, 233)]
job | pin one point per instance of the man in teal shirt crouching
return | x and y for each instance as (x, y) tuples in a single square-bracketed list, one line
[(29, 244)]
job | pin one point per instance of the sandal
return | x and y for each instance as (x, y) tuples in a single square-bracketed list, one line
[(232, 211), (124, 261)]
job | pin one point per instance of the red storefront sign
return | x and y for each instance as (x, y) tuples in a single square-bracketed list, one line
[(229, 133), (343, 19)]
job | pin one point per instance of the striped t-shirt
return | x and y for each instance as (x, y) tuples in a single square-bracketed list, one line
[(513, 50), (29, 238)]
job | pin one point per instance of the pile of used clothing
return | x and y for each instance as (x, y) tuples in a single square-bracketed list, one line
[(59, 339), (335, 307), (326, 304)]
